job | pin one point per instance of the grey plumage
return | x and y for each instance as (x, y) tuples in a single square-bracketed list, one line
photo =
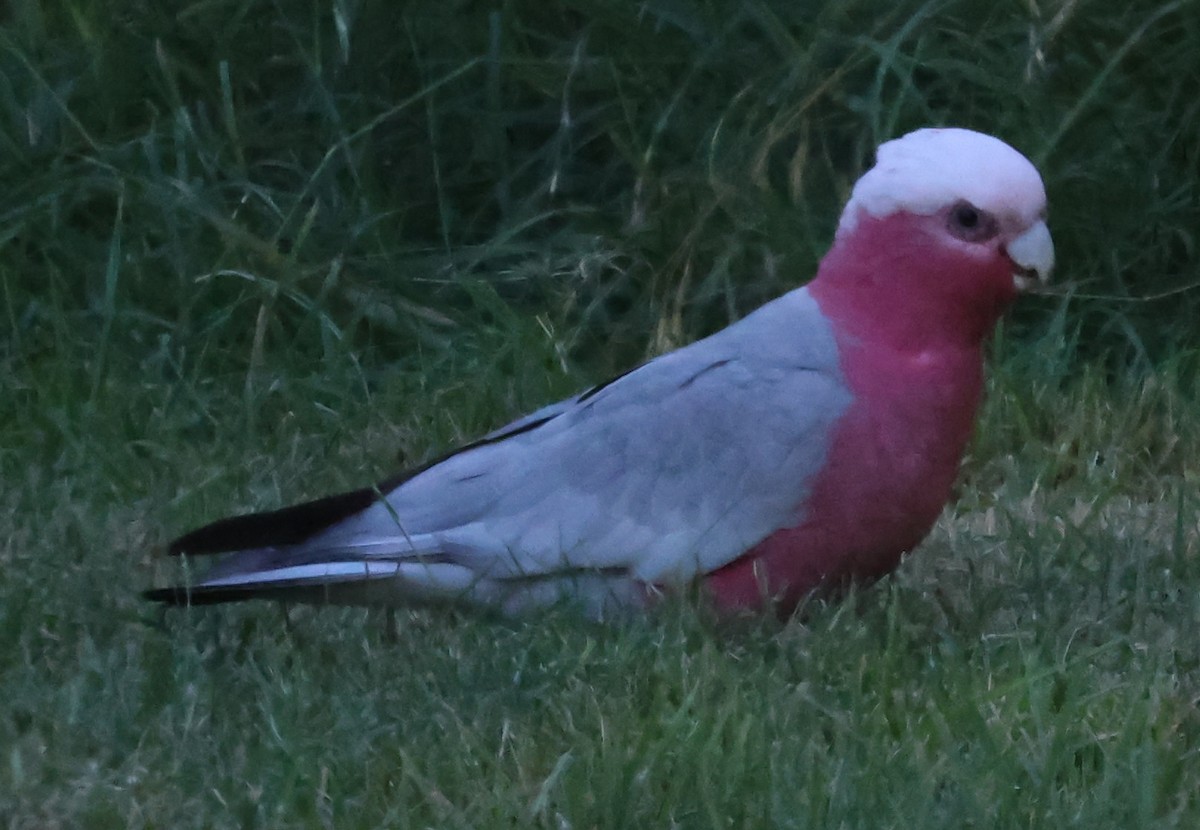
[(668, 472)]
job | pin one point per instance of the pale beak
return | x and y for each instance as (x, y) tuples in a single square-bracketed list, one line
[(1033, 254)]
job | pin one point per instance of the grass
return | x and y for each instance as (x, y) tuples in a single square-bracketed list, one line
[(255, 252)]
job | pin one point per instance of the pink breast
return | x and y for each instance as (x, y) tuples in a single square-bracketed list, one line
[(890, 470)]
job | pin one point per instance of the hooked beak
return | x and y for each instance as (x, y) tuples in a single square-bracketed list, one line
[(1033, 254)]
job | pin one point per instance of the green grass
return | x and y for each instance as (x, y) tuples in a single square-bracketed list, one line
[(252, 252)]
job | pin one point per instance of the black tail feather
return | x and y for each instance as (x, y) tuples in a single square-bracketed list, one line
[(295, 524), (182, 595), (274, 528), (337, 592)]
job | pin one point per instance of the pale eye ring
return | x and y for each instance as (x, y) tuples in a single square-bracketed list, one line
[(971, 224)]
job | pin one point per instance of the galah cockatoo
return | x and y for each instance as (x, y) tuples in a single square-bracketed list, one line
[(813, 442)]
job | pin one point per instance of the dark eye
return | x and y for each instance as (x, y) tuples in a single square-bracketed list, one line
[(971, 224)]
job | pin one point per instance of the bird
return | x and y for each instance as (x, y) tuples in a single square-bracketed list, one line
[(811, 443)]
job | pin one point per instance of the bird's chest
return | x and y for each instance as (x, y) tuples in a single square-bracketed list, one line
[(892, 460), (897, 453)]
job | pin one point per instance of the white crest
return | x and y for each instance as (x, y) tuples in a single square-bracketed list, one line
[(928, 169)]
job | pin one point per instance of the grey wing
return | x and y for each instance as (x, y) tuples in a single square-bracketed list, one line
[(668, 472)]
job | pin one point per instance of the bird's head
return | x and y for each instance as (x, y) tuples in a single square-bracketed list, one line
[(940, 235)]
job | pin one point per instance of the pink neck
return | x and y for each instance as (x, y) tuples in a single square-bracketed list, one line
[(893, 283)]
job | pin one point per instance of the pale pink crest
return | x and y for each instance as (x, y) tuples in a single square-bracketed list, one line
[(926, 170)]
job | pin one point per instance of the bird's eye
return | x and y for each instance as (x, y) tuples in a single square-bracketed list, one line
[(971, 224)]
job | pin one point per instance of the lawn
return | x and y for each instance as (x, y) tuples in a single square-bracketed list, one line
[(255, 252)]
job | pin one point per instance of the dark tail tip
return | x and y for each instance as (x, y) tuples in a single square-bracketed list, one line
[(180, 596), (273, 528)]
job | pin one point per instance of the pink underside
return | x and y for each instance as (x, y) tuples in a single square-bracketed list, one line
[(878, 495), (912, 352)]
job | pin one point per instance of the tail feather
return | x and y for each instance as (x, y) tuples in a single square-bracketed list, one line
[(299, 554), (296, 524), (598, 594), (331, 582), (247, 575), (275, 528)]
